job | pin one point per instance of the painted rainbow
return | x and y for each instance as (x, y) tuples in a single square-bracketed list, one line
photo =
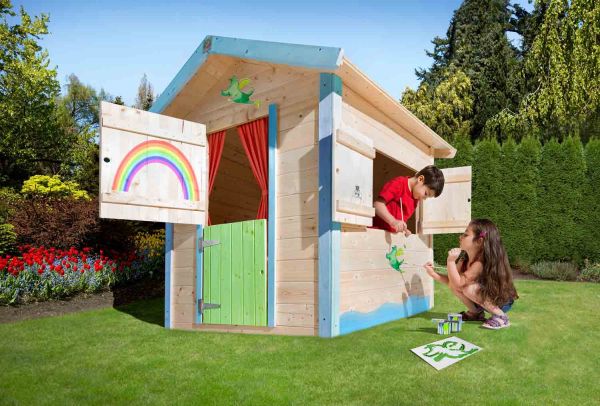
[(156, 152)]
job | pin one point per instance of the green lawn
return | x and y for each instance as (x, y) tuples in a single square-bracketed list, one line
[(123, 356)]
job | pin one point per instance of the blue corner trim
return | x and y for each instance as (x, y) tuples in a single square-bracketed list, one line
[(353, 321), (199, 275), (329, 231), (330, 83), (271, 271), (168, 264), (305, 56)]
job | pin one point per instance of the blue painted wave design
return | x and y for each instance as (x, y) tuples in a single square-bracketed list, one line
[(353, 321)]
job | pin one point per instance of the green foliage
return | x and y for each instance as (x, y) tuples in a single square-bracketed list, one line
[(521, 238), (446, 109), (79, 113), (507, 219), (31, 141), (488, 200), (476, 44), (8, 239), (555, 270), (590, 273), (561, 186), (563, 73), (590, 208), (52, 186), (8, 200)]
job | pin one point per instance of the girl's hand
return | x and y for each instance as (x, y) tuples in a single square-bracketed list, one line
[(429, 269), (453, 254)]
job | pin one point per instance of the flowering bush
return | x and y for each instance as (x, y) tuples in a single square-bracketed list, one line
[(41, 273), (151, 244), (52, 186)]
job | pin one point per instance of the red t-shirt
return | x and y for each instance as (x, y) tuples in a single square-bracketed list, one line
[(394, 193)]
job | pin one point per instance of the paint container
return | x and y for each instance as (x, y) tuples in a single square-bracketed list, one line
[(443, 326), (455, 320)]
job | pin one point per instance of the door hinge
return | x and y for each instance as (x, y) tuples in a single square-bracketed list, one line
[(206, 306), (206, 243)]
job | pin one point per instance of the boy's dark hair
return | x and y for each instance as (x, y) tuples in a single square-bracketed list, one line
[(434, 178)]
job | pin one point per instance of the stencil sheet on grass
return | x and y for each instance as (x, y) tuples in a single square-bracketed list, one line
[(448, 351)]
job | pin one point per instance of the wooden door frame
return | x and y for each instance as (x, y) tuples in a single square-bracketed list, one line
[(271, 229)]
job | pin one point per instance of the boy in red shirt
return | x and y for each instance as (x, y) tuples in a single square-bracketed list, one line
[(399, 197)]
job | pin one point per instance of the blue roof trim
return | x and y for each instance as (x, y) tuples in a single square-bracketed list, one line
[(305, 56), (183, 76)]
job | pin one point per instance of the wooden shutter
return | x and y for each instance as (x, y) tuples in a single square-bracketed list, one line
[(451, 211), (152, 167), (353, 178)]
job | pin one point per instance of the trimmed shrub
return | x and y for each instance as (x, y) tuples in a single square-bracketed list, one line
[(555, 270), (52, 186), (57, 222), (590, 273), (8, 239), (562, 175), (591, 203)]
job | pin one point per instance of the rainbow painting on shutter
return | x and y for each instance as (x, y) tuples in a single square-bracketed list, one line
[(159, 153)]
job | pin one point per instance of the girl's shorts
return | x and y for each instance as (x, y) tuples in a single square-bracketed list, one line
[(507, 306)]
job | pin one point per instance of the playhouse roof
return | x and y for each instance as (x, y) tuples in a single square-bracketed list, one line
[(307, 57)]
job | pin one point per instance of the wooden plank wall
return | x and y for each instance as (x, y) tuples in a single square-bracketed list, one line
[(183, 277), (389, 138), (368, 281), (296, 93)]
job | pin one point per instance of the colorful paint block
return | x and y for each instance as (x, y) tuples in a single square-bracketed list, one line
[(455, 320), (453, 324)]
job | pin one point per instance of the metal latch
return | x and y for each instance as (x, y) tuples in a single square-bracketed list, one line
[(206, 243), (206, 306)]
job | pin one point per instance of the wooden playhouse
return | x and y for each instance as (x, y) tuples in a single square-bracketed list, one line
[(285, 147)]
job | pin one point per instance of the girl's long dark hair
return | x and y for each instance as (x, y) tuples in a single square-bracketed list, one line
[(496, 282)]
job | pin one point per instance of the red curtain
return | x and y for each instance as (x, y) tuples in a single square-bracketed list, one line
[(254, 137), (215, 150)]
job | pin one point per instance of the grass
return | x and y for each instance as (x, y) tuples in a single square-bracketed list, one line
[(124, 356)]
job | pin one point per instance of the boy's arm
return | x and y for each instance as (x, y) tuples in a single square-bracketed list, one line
[(382, 211)]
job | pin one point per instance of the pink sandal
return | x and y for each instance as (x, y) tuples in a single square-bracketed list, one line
[(496, 322)]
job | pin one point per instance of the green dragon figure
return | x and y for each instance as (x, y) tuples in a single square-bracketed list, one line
[(234, 91), (449, 349), (394, 258)]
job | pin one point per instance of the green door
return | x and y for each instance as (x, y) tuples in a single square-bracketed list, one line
[(235, 274)]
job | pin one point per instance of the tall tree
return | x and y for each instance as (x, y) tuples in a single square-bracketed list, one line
[(29, 130), (447, 108), (145, 94), (562, 69), (476, 43), (79, 112)]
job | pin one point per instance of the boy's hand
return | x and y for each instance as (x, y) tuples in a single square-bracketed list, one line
[(453, 254), (398, 226)]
